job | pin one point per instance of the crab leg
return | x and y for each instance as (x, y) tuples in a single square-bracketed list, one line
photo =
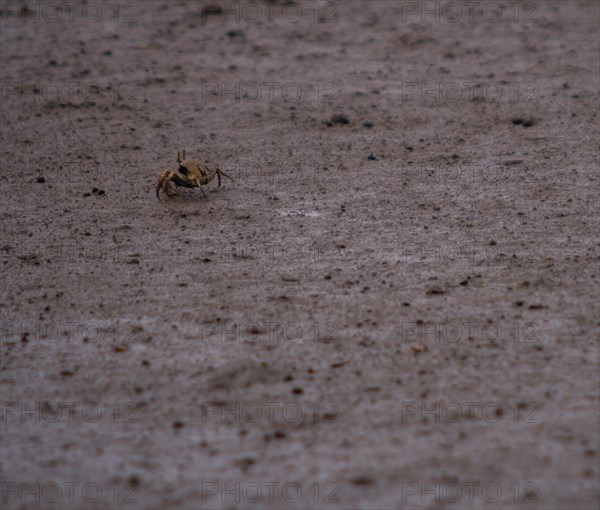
[(219, 173), (199, 184)]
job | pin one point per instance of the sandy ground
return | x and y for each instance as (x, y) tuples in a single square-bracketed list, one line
[(395, 304)]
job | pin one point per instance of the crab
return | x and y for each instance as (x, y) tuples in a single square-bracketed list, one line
[(191, 173)]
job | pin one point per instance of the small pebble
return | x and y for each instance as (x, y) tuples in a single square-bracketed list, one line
[(340, 119), (434, 291)]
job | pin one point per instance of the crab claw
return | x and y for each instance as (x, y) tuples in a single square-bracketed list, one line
[(159, 184), (163, 183)]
